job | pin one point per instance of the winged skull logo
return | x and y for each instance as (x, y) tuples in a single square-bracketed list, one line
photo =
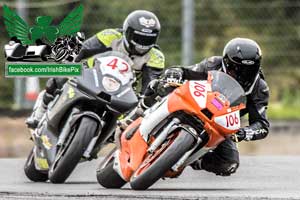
[(147, 22), (17, 27)]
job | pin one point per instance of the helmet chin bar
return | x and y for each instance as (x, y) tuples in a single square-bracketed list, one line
[(134, 48), (140, 48), (251, 87)]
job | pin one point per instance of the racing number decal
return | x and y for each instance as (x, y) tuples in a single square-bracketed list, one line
[(116, 67), (199, 90), (114, 63), (232, 120)]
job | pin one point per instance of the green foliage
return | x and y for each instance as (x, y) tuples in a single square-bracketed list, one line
[(274, 24), (283, 111)]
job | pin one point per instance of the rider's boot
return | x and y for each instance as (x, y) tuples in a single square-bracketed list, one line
[(39, 110), (133, 115), (197, 164)]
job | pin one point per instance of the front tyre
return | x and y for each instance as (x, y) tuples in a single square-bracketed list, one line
[(62, 169), (148, 175), (31, 172), (107, 176)]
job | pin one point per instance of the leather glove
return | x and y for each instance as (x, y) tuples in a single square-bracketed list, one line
[(174, 74), (170, 75), (245, 134)]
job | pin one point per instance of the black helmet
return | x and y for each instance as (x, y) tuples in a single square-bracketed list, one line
[(241, 60), (141, 29)]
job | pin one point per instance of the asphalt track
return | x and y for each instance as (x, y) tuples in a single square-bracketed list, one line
[(275, 177)]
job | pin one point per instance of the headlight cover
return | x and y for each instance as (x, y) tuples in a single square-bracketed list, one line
[(110, 84)]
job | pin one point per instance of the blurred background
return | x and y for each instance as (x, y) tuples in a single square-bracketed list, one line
[(191, 31)]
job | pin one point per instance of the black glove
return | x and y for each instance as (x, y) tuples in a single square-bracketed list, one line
[(245, 134), (173, 74)]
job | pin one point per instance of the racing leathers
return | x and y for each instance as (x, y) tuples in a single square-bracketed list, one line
[(224, 160), (146, 67)]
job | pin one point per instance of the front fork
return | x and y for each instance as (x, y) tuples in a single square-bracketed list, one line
[(186, 156), (163, 135), (192, 155), (189, 156)]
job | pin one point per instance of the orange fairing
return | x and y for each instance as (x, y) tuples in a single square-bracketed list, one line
[(195, 96), (132, 150), (181, 99)]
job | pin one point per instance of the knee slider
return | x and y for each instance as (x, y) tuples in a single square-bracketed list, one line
[(47, 98), (227, 169)]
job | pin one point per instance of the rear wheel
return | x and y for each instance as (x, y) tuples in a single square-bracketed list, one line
[(61, 169), (157, 164), (107, 176), (31, 172)]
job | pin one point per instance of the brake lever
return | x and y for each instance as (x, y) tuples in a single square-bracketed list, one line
[(172, 82)]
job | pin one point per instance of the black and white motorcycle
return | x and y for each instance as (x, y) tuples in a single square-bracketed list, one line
[(81, 118), (65, 49)]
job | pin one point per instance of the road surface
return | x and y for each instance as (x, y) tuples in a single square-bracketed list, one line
[(274, 177)]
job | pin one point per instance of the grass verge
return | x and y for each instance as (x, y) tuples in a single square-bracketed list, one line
[(283, 111)]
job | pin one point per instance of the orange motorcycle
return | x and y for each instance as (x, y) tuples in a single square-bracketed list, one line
[(181, 128)]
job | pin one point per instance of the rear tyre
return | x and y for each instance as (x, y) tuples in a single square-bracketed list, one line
[(59, 172), (163, 163), (107, 176), (31, 172)]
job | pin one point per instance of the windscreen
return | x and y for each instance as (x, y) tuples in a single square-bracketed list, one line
[(228, 87)]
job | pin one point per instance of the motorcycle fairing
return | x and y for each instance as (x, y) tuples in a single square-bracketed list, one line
[(123, 164), (45, 142)]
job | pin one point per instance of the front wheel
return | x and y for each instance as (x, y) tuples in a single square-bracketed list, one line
[(106, 175), (169, 153), (62, 169), (31, 172)]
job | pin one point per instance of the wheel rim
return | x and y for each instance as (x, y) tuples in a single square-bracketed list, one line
[(151, 158)]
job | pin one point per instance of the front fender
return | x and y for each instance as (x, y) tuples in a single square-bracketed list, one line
[(77, 117)]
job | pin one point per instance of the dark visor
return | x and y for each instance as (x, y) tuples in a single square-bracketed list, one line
[(142, 39), (244, 74)]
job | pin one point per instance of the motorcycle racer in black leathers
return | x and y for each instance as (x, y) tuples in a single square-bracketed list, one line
[(242, 60), (137, 39)]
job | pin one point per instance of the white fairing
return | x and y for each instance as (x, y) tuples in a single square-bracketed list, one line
[(117, 67), (198, 90), (230, 121), (10, 48), (151, 120), (95, 78), (36, 50)]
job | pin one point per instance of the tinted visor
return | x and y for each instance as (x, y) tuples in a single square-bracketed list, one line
[(244, 74), (141, 38)]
